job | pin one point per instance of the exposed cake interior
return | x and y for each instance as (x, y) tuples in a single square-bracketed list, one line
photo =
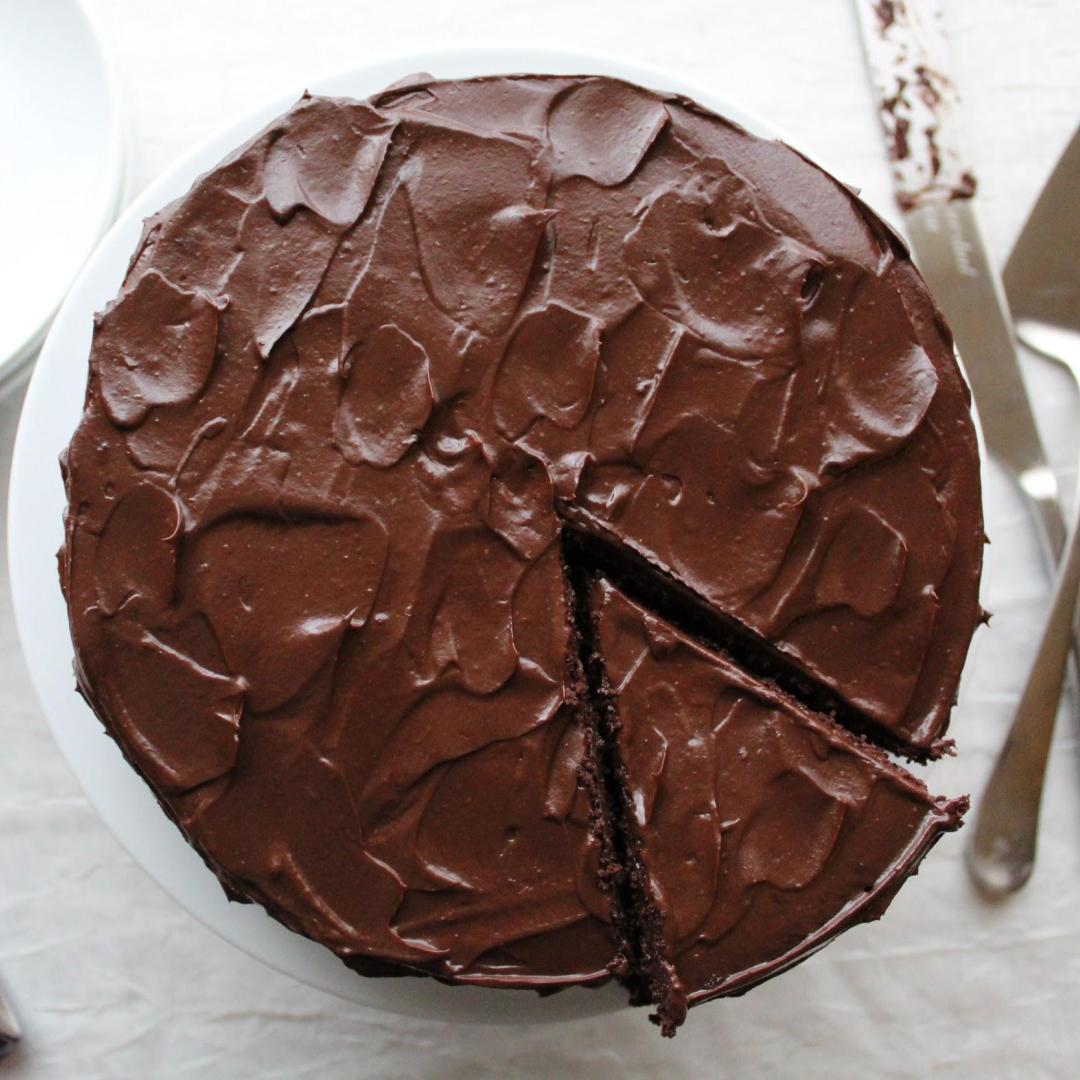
[(649, 975), (656, 589), (598, 773)]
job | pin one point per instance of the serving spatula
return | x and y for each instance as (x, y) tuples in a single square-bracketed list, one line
[(1042, 279)]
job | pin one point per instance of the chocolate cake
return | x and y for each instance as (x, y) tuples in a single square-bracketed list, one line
[(462, 469)]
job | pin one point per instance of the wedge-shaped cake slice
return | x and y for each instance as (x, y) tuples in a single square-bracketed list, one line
[(756, 829)]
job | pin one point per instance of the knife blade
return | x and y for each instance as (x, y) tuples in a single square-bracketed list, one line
[(906, 53), (1042, 276)]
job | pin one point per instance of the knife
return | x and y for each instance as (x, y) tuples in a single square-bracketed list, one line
[(904, 41)]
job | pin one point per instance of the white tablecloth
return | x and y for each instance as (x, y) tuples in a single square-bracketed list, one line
[(112, 979)]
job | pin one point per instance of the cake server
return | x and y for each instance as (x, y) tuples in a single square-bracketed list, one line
[(905, 48), (10, 1033), (1042, 280)]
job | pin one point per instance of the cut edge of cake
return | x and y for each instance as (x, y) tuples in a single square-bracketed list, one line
[(647, 974), (654, 978), (658, 589)]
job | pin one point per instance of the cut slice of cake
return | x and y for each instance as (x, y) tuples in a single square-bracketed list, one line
[(756, 829)]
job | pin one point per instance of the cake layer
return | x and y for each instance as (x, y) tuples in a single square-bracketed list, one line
[(760, 830)]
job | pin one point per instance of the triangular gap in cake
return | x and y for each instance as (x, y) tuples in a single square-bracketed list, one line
[(648, 974), (594, 774), (656, 590), (754, 830)]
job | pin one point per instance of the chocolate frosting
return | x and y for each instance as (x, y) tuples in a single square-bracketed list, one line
[(763, 830), (357, 382)]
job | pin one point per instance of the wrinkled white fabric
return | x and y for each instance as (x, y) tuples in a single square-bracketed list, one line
[(113, 979)]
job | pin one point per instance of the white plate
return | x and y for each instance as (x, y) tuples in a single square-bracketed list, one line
[(50, 415), (63, 163)]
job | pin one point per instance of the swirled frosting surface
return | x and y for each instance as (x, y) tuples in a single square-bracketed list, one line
[(355, 384), (763, 829)]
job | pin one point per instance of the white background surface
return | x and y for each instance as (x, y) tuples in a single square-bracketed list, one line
[(112, 979)]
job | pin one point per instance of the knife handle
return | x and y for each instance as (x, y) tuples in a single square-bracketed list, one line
[(907, 55), (10, 1033)]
